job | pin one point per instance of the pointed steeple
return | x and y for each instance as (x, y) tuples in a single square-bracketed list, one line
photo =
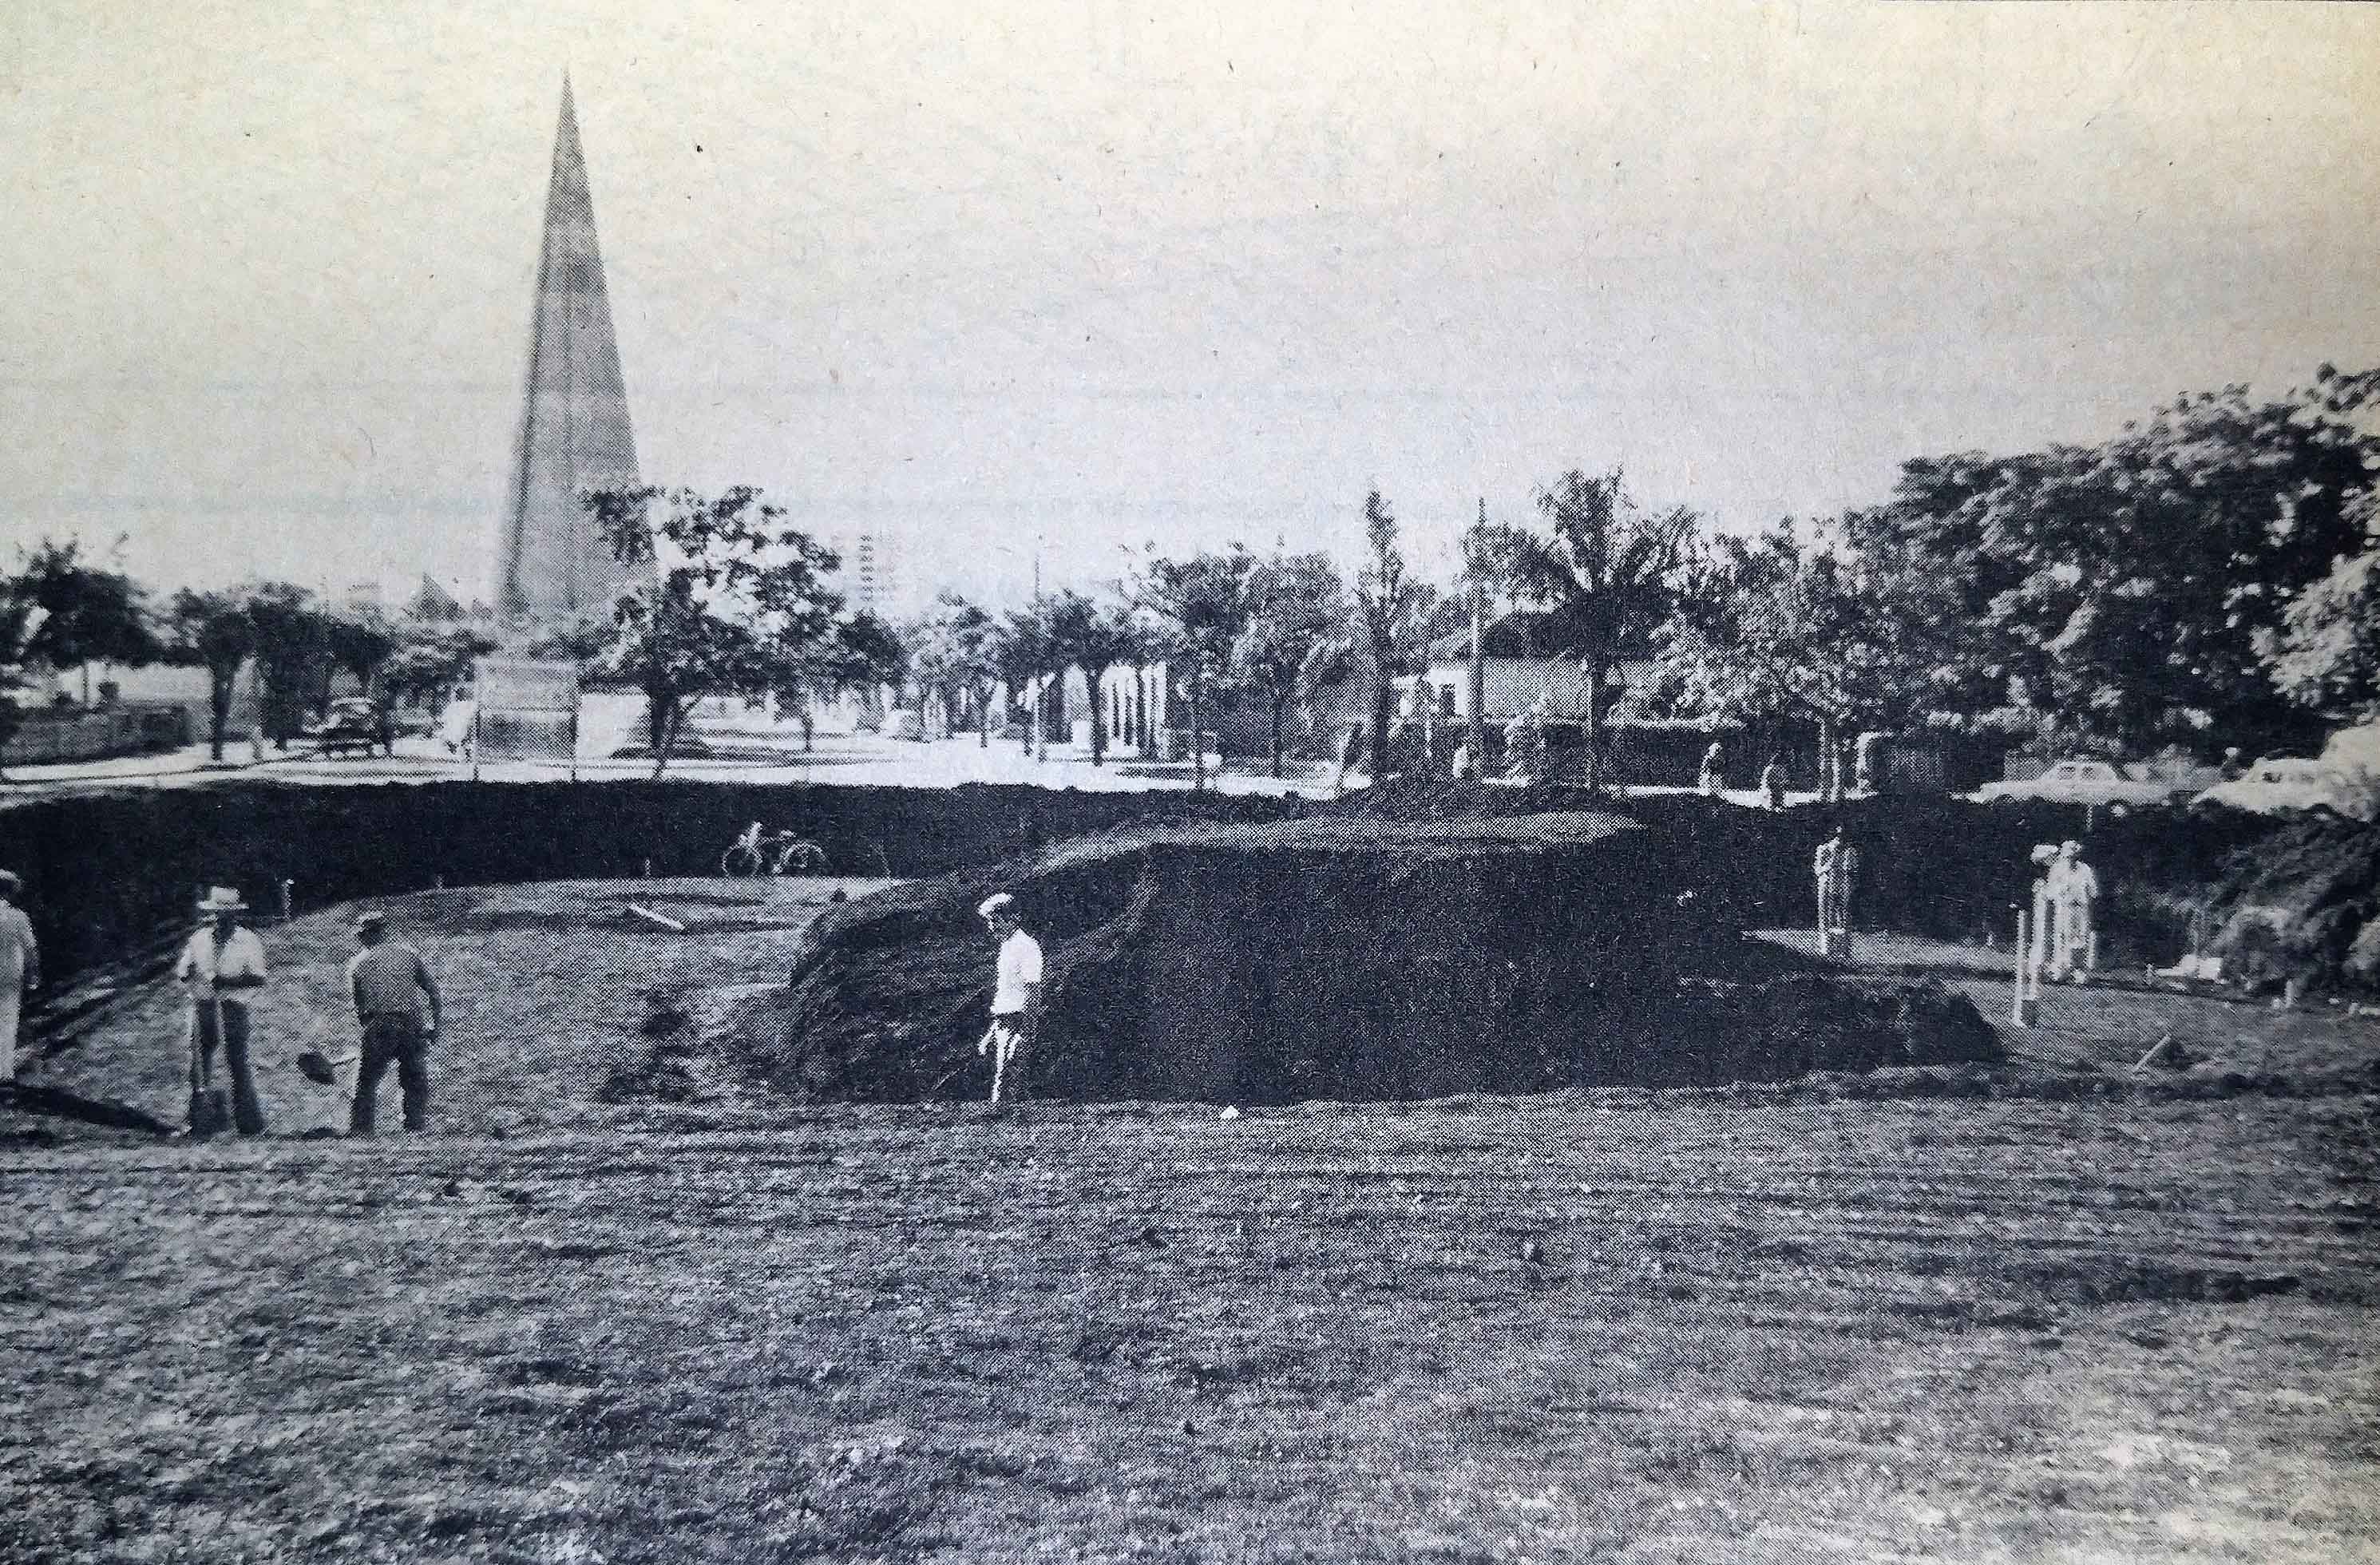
[(574, 433)]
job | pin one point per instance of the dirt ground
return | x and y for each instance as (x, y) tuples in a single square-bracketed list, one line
[(2047, 1311)]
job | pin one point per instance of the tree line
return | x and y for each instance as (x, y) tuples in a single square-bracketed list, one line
[(2206, 578)]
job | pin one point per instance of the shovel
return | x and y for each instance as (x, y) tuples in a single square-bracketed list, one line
[(209, 1105)]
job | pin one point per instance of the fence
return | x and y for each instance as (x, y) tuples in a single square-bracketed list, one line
[(122, 731)]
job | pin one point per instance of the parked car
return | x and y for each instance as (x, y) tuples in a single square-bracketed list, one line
[(349, 723), (903, 723), (2081, 782), (414, 723), (2281, 784)]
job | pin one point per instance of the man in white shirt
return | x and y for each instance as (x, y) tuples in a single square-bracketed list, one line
[(1015, 1000), (2074, 889), (223, 965), (20, 968)]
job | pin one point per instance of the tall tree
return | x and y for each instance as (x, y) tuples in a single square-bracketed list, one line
[(293, 654), (1026, 654), (2127, 593), (1200, 606), (21, 622), (954, 650), (1296, 604), (861, 651), (360, 641), (1393, 614), (214, 630), (91, 614), (431, 658), (1609, 564), (1766, 628), (1094, 637), (736, 606), (2325, 656)]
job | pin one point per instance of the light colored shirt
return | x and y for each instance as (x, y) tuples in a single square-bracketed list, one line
[(19, 955), (388, 979), (202, 962), (1020, 966)]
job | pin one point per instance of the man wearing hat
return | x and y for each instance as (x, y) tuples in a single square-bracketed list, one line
[(1016, 998), (2074, 892), (20, 968), (389, 981), (2042, 933), (223, 964)]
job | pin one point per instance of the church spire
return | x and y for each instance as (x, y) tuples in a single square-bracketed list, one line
[(574, 434)]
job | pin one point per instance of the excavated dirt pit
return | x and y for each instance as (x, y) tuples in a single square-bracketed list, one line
[(1333, 958)]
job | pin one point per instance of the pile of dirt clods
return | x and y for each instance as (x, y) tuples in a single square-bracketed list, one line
[(1328, 958)]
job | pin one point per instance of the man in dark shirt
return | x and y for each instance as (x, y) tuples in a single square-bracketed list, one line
[(389, 981)]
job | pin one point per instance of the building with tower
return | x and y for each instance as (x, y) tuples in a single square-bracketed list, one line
[(574, 433)]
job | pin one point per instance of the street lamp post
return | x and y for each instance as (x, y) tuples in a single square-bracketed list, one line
[(1477, 739)]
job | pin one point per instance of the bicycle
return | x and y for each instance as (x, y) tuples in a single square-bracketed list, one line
[(757, 852)]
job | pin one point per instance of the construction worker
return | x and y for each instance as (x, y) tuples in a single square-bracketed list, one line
[(389, 981), (2074, 892), (1349, 749), (2041, 936), (223, 964), (1016, 998), (1836, 867), (20, 968), (1712, 779)]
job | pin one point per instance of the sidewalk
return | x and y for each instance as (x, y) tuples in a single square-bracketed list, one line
[(766, 758)]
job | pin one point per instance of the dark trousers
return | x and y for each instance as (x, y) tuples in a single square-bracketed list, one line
[(247, 1114), (387, 1038)]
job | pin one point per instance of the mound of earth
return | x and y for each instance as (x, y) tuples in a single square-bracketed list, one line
[(1332, 958), (2304, 903)]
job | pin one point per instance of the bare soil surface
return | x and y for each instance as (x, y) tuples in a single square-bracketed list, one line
[(2049, 1310)]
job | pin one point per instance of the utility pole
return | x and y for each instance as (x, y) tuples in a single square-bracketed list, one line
[(1477, 740)]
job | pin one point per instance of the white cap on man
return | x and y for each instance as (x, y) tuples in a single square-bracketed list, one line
[(998, 905)]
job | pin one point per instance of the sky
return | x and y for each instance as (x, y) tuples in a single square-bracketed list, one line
[(1063, 281)]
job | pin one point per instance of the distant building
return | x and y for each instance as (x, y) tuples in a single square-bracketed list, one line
[(871, 575), (364, 597), (432, 603), (1532, 657)]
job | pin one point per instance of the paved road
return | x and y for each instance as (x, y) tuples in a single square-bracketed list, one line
[(761, 757)]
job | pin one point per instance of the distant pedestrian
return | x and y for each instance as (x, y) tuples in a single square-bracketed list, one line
[(2041, 935), (389, 982), (1015, 1000), (1712, 779), (1772, 783), (2074, 898), (20, 968), (1836, 865), (1349, 748), (223, 965)]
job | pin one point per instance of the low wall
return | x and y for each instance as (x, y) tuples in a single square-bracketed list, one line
[(124, 731), (104, 874)]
